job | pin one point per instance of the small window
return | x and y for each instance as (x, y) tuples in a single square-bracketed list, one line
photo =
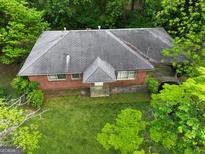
[(126, 75), (131, 75), (75, 76), (98, 83), (56, 77)]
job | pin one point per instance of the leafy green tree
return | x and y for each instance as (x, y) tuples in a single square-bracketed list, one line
[(185, 21), (13, 130), (19, 28), (180, 17), (179, 116), (36, 98), (124, 135), (81, 14), (152, 84), (2, 92), (23, 85)]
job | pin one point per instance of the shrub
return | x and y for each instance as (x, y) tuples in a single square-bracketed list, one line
[(36, 98), (32, 86), (2, 92), (23, 85), (152, 84), (20, 84)]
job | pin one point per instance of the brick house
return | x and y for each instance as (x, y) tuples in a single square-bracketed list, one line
[(95, 58)]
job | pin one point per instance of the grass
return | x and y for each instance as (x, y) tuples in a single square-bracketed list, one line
[(72, 122)]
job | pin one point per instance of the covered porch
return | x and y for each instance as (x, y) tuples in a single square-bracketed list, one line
[(99, 91), (98, 73)]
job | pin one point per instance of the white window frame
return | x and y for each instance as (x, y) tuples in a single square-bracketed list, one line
[(127, 75), (98, 83), (55, 77), (75, 78)]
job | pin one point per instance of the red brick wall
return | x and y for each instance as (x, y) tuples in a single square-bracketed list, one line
[(44, 84)]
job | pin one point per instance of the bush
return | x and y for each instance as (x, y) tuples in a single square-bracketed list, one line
[(36, 98), (152, 84), (22, 84), (2, 92), (32, 86)]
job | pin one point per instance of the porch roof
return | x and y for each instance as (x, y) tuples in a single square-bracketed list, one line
[(99, 71)]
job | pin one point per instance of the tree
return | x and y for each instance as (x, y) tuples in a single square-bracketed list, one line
[(152, 84), (23, 85), (81, 14), (13, 130), (29, 88), (36, 98), (179, 116), (20, 26), (184, 20), (124, 135), (180, 17)]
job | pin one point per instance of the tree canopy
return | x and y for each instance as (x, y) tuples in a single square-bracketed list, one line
[(20, 26), (179, 116), (13, 130), (81, 14), (124, 135), (185, 21)]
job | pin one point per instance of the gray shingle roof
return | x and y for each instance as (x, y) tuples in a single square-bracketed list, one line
[(48, 56), (99, 71), (148, 42)]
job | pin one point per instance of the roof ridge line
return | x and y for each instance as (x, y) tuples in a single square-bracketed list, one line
[(100, 67), (77, 30), (103, 68), (88, 67), (44, 52), (156, 36), (128, 48), (91, 74)]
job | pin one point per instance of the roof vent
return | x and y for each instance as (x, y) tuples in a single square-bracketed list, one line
[(88, 28), (67, 61), (147, 53), (99, 27)]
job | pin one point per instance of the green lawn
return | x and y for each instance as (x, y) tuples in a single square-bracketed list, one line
[(72, 122)]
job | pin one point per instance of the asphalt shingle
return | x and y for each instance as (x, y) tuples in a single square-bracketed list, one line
[(48, 56), (99, 71)]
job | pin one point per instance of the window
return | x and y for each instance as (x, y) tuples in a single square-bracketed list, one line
[(98, 83), (126, 75), (56, 77), (75, 76)]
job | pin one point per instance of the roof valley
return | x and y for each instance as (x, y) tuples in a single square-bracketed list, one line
[(128, 48)]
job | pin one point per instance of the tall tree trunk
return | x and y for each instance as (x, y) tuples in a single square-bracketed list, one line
[(133, 5)]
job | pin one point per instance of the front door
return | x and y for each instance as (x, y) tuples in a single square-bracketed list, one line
[(98, 90)]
